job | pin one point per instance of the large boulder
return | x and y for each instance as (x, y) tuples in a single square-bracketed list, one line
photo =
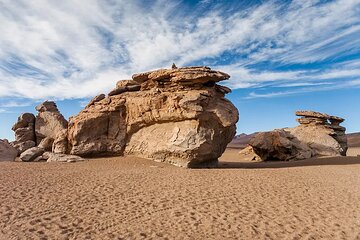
[(31, 154), (24, 130), (178, 116), (49, 121), (317, 135), (7, 152), (279, 145)]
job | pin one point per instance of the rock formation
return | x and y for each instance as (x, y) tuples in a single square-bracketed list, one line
[(322, 133), (24, 130), (7, 152), (177, 115), (41, 131), (49, 121), (317, 135)]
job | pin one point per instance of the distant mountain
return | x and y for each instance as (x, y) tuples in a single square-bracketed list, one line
[(240, 141), (353, 139)]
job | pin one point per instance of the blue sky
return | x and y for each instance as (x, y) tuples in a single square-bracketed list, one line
[(282, 55)]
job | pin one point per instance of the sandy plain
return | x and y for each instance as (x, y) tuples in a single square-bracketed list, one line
[(133, 198)]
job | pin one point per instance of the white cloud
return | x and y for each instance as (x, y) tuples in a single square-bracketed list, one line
[(11, 104), (353, 84), (68, 49)]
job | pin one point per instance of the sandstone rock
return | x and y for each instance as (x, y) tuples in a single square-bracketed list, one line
[(117, 91), (178, 116), (49, 121), (279, 145), (46, 155), (248, 154), (25, 134), (24, 130), (126, 83), (24, 120), (56, 157), (312, 114), (23, 146), (46, 144), (317, 135), (7, 152), (61, 142), (31, 154), (327, 137), (95, 99), (184, 76)]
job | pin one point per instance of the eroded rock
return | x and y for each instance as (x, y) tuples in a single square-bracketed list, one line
[(31, 154), (49, 121), (7, 152), (176, 115), (317, 135), (24, 130)]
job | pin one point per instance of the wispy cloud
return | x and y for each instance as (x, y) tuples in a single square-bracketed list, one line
[(11, 104), (68, 49), (350, 84)]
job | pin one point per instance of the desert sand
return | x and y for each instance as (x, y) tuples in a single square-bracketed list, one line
[(134, 198)]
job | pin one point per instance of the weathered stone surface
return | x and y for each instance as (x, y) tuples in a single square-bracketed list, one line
[(23, 146), (312, 114), (126, 83), (279, 145), (117, 91), (317, 135), (248, 154), (183, 76), (31, 154), (95, 99), (24, 130), (179, 116), (7, 152), (60, 144), (56, 157), (323, 132), (46, 144), (25, 134), (24, 120), (49, 121)]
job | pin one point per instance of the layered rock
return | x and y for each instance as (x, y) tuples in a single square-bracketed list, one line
[(49, 121), (317, 135), (7, 152), (175, 115), (41, 131), (322, 132), (24, 130)]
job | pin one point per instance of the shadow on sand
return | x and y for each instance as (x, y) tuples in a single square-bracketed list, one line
[(301, 163)]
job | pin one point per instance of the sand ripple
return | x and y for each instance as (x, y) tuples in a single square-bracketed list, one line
[(131, 198)]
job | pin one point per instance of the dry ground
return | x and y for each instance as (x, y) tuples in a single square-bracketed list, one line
[(132, 198)]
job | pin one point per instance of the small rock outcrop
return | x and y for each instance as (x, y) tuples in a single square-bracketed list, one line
[(177, 115), (56, 157), (49, 121), (322, 132), (7, 152), (317, 135)]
